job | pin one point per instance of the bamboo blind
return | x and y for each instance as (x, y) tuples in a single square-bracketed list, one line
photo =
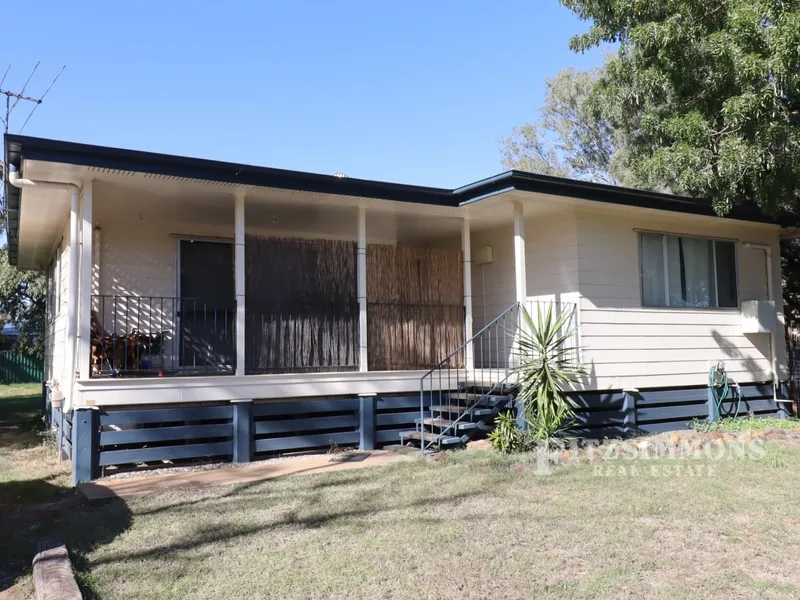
[(301, 307), (415, 310)]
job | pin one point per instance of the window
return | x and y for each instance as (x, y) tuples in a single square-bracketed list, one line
[(687, 272)]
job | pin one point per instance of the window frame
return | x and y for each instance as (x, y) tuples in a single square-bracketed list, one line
[(53, 308), (667, 305)]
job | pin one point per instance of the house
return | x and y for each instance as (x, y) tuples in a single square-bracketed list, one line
[(202, 308), (8, 337)]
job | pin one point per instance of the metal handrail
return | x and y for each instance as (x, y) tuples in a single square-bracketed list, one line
[(501, 318), (499, 325), (463, 346)]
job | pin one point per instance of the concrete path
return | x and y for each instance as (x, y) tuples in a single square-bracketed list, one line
[(256, 471)]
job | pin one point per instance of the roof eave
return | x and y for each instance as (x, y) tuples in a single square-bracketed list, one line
[(19, 147)]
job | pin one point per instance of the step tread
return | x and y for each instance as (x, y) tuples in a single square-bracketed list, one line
[(449, 408), (490, 399), (429, 437), (467, 396), (444, 423), (446, 408)]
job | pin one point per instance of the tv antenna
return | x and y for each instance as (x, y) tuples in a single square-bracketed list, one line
[(16, 97), (12, 100)]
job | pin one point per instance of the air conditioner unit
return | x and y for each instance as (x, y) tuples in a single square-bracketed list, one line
[(759, 316)]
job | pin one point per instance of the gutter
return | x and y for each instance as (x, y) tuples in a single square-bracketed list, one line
[(72, 287), (103, 157)]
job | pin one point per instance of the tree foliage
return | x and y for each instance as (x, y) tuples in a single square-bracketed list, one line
[(23, 301), (569, 139), (790, 270), (705, 92)]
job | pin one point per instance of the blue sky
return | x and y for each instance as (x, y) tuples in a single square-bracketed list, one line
[(415, 92)]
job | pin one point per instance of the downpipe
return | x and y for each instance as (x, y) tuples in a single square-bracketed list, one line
[(72, 286), (773, 348)]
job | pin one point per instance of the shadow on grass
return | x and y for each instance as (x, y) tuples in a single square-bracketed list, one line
[(36, 509), (209, 536), (344, 478), (19, 407), (27, 492), (79, 524), (21, 422)]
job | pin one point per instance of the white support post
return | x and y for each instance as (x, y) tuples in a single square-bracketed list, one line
[(67, 384), (239, 280), (469, 355), (519, 254), (96, 245), (520, 281), (361, 287), (85, 287)]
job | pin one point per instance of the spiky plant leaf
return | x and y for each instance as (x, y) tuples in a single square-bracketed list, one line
[(545, 366)]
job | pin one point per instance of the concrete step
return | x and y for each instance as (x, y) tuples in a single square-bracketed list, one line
[(440, 423)]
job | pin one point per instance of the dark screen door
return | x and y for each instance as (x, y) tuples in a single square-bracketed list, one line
[(207, 305)]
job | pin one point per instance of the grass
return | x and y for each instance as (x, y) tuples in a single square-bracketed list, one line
[(33, 482), (30, 472), (746, 423), (474, 525)]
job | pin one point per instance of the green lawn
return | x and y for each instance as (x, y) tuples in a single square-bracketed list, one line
[(30, 471), (33, 482), (746, 423), (473, 525)]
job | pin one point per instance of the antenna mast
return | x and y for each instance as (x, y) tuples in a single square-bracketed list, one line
[(6, 120)]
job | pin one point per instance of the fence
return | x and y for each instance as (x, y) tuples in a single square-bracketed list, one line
[(493, 347), (18, 368), (140, 335)]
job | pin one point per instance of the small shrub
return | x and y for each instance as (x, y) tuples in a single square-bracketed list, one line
[(506, 437)]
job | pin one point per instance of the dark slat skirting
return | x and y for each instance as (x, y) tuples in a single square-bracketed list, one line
[(239, 431), (242, 431), (626, 413)]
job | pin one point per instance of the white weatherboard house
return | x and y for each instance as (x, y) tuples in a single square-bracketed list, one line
[(207, 309)]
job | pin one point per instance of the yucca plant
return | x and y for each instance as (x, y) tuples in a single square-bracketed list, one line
[(545, 366)]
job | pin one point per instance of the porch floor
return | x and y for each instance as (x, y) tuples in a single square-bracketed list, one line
[(232, 474)]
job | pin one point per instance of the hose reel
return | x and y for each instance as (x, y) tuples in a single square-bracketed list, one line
[(721, 390)]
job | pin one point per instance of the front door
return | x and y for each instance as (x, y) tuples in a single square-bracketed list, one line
[(207, 305)]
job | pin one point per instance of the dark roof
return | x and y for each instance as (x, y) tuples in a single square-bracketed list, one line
[(23, 147)]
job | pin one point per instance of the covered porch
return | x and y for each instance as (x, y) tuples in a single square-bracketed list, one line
[(302, 314), (253, 291), (192, 280)]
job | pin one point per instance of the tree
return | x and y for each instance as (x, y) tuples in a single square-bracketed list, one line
[(790, 269), (705, 92), (23, 301), (570, 138)]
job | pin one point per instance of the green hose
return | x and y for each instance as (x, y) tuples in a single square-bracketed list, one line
[(718, 382)]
